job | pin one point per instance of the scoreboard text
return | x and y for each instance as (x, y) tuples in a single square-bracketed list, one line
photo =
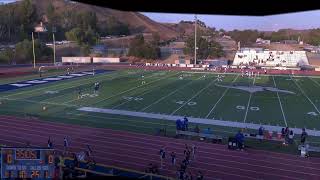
[(27, 163)]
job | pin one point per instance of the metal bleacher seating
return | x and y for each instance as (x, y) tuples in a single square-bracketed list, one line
[(214, 138), (270, 58)]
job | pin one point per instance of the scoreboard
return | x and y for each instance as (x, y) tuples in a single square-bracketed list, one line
[(18, 162)]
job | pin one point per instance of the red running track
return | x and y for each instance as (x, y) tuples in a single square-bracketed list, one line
[(136, 151)]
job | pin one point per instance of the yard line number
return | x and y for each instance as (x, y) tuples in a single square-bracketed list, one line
[(191, 103)]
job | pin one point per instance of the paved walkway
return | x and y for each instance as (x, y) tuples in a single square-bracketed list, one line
[(194, 120)]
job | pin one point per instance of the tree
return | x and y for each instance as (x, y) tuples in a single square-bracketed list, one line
[(6, 56), (205, 48), (85, 50), (23, 52), (82, 37), (140, 48), (136, 46), (28, 14), (246, 37)]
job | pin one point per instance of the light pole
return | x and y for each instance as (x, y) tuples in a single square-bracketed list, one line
[(34, 54), (54, 45), (195, 39)]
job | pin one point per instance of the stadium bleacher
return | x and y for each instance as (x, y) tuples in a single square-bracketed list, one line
[(254, 57)]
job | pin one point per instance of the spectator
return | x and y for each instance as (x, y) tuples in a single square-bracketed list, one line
[(188, 160), (155, 169), (291, 137), (89, 152), (162, 156), (149, 168), (178, 125), (194, 148), (65, 144), (240, 140), (197, 129), (190, 175), (304, 136), (180, 174), (75, 160), (286, 131), (260, 133), (185, 121), (49, 143), (207, 131), (173, 158), (200, 176), (283, 133), (286, 136)]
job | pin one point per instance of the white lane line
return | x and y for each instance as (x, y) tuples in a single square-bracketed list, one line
[(305, 95), (104, 99), (156, 102), (144, 93), (37, 102), (245, 116), (198, 93), (283, 115), (220, 98)]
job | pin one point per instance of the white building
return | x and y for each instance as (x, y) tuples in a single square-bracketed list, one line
[(262, 41)]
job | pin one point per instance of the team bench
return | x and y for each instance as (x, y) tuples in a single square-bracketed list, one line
[(258, 137), (214, 138)]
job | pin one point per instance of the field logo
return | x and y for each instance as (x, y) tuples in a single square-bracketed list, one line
[(132, 98), (51, 92), (88, 95), (253, 89), (312, 113), (241, 107), (191, 103)]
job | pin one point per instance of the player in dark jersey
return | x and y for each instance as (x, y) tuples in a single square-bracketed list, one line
[(79, 93), (96, 87)]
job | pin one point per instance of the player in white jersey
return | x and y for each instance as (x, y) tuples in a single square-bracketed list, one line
[(143, 81)]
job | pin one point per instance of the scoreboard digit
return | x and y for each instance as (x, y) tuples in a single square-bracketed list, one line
[(18, 162), (22, 174), (35, 174)]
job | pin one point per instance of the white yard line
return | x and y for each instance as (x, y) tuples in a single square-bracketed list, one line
[(144, 93), (143, 109), (245, 116), (37, 102), (80, 84), (305, 95), (125, 90), (220, 98), (315, 81), (283, 115), (198, 93)]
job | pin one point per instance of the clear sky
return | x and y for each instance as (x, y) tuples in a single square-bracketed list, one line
[(301, 20), (6, 1)]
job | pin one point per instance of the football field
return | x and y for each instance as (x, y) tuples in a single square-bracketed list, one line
[(261, 100)]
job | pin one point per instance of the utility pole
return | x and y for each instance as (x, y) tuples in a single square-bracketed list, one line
[(34, 55), (195, 39), (54, 46)]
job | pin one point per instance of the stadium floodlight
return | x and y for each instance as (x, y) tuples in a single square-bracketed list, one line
[(195, 39), (34, 54), (54, 45)]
